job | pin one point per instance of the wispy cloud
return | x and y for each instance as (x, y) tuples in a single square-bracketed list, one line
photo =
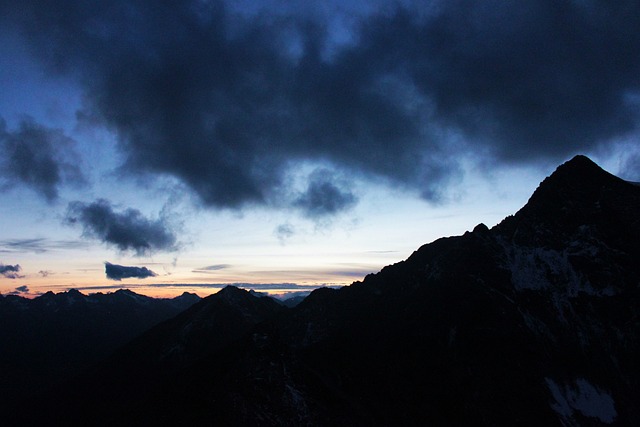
[(284, 232), (39, 245), (211, 268)]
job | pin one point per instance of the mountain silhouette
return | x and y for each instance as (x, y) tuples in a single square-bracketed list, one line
[(54, 336), (532, 322)]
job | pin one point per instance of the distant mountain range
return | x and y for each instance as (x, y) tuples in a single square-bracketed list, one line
[(534, 322), (54, 336)]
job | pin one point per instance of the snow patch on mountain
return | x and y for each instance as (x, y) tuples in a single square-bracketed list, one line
[(535, 268), (582, 397)]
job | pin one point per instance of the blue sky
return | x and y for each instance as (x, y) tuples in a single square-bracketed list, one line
[(290, 142)]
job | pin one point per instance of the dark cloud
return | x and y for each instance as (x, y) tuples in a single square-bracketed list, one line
[(11, 271), (20, 290), (37, 157), (228, 104), (324, 196), (127, 230), (119, 272), (45, 273)]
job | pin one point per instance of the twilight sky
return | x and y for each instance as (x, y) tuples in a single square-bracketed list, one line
[(150, 144)]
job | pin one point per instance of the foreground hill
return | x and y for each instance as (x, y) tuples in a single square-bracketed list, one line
[(531, 323)]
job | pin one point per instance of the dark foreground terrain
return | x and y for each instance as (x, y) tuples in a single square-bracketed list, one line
[(55, 336), (534, 322)]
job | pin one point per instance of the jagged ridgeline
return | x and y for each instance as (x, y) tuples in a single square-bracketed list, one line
[(533, 322), (55, 336)]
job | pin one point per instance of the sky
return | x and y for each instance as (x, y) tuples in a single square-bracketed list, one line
[(179, 145)]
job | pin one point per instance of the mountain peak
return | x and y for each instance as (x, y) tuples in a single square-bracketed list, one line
[(233, 295), (578, 194), (231, 290), (581, 169), (188, 294), (578, 176), (75, 293), (579, 161)]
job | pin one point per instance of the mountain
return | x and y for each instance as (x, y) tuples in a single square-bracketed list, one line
[(532, 322), (120, 387), (54, 336)]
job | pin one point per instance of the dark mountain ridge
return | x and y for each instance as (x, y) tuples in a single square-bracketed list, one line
[(149, 363), (54, 336), (533, 322)]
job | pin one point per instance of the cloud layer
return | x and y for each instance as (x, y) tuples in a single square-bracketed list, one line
[(228, 103), (119, 272), (128, 230)]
